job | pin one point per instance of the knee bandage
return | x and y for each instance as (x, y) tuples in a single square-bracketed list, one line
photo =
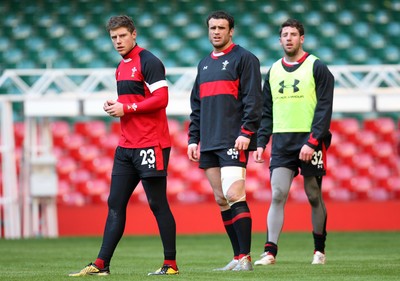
[(229, 175)]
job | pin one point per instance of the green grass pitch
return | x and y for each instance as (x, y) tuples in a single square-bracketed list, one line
[(350, 256)]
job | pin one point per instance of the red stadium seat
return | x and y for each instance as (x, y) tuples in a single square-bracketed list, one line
[(65, 166), (343, 174), (72, 143), (205, 190), (108, 144), (296, 192), (174, 126), (384, 127), (180, 166), (384, 152), (379, 173), (59, 129), (175, 186), (379, 194), (340, 194), (64, 188), (87, 153), (139, 195), (361, 186), (336, 141), (346, 151), (392, 184), (102, 167), (192, 177), (366, 139), (263, 194), (92, 130), (331, 162), (362, 162), (96, 190), (348, 127), (78, 178), (189, 196), (258, 170), (328, 184), (73, 198), (179, 142), (253, 184)]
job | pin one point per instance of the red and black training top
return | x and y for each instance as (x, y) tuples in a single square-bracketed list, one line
[(143, 89), (226, 100)]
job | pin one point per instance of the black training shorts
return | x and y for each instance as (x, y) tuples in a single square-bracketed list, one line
[(145, 162)]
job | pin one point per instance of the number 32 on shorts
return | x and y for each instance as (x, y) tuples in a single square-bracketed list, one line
[(317, 159)]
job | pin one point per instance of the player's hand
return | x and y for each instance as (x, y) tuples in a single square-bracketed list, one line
[(258, 155), (306, 153), (113, 108), (242, 143), (193, 152)]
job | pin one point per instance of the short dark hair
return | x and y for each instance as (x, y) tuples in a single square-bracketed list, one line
[(121, 21), (293, 23), (221, 15)]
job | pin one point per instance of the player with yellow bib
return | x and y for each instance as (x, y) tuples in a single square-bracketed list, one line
[(297, 111)]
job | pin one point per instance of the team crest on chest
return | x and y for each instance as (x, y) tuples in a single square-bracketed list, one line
[(224, 64), (134, 69)]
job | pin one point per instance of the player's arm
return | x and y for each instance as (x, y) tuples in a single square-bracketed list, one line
[(250, 81), (324, 83), (265, 131), (194, 125), (158, 100)]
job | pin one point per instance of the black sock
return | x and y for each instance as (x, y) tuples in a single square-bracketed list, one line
[(230, 230), (271, 248), (319, 242), (242, 222)]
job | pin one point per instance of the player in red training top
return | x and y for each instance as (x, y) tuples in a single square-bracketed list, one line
[(144, 146), (226, 112)]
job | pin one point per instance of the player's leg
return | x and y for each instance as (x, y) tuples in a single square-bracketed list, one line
[(214, 177), (156, 192), (312, 187), (233, 188), (313, 172), (281, 179), (233, 174), (121, 190)]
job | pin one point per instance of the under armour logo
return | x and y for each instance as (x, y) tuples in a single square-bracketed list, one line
[(233, 153), (295, 88), (205, 67), (224, 64), (151, 166)]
